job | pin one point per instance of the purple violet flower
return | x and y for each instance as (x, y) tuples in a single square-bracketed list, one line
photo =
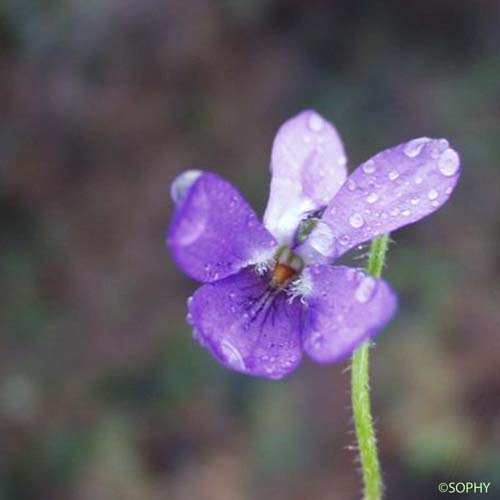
[(270, 291)]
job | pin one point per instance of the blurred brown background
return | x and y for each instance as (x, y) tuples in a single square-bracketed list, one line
[(103, 393)]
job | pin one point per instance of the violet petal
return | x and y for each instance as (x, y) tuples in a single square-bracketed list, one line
[(396, 187), (346, 307), (247, 327), (214, 232), (308, 167)]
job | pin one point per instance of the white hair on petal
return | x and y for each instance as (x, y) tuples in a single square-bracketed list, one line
[(301, 287)]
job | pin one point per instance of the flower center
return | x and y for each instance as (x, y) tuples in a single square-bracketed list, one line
[(288, 266)]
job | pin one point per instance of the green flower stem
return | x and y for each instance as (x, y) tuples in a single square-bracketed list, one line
[(360, 393)]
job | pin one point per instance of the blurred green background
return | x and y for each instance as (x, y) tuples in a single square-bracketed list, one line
[(103, 393)]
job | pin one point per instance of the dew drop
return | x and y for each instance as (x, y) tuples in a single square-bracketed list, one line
[(356, 220), (449, 190), (405, 213), (414, 147), (366, 289), (322, 240), (344, 240), (435, 203), (317, 340), (418, 180), (448, 162), (342, 160), (415, 201), (233, 201), (393, 175), (351, 185), (369, 167), (315, 122), (182, 184), (394, 212), (432, 194), (372, 198), (231, 355)]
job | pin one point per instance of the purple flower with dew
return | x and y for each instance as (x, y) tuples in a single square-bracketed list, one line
[(271, 291)]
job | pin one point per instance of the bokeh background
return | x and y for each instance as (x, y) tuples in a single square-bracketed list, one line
[(103, 393)]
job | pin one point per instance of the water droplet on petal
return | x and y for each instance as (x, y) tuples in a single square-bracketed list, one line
[(414, 147), (198, 337), (432, 194), (393, 175), (356, 220), (366, 289), (233, 201), (372, 198), (418, 180), (435, 203), (315, 122), (351, 185), (317, 340), (369, 167), (405, 213), (322, 239), (394, 212), (182, 184), (231, 355), (448, 162), (344, 240), (415, 201), (341, 160), (449, 190)]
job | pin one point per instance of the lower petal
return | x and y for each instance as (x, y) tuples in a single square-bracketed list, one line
[(346, 307), (247, 326)]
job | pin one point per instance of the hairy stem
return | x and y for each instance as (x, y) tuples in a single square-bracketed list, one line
[(360, 393)]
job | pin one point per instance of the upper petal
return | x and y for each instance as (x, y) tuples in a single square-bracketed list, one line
[(214, 232), (308, 167), (246, 326), (396, 187), (346, 307)]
